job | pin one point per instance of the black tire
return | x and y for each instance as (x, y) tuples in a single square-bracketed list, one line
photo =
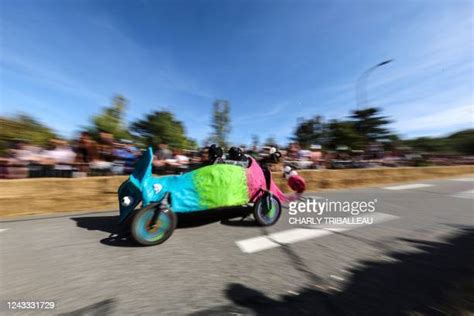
[(149, 236), (264, 215)]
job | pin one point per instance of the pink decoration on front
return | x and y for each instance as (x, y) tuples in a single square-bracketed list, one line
[(256, 181)]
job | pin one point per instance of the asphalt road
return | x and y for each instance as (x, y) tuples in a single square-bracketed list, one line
[(417, 257)]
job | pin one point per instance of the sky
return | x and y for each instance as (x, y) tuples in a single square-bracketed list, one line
[(274, 61)]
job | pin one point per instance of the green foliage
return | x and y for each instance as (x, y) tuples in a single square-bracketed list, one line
[(25, 128), (428, 144), (461, 142), (392, 142), (310, 131), (343, 133), (365, 126), (191, 144), (111, 120), (369, 124), (271, 141), (255, 140), (161, 127), (220, 122)]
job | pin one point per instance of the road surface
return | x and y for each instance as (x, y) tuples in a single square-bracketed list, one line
[(415, 257)]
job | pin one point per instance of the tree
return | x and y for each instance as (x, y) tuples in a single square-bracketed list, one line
[(392, 143), (312, 131), (255, 141), (429, 144), (111, 119), (463, 141), (23, 127), (271, 141), (369, 124), (220, 122), (343, 133), (161, 127), (191, 144)]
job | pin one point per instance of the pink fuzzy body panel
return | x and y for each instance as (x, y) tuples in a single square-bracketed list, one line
[(256, 181)]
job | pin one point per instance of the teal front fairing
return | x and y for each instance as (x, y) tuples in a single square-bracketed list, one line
[(134, 190), (142, 175), (129, 197), (153, 188)]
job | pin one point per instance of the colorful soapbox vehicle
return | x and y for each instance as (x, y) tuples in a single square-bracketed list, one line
[(213, 186)]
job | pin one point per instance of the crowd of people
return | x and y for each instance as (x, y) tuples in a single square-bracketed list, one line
[(108, 156), (60, 158)]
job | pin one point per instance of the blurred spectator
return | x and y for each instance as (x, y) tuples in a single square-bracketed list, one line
[(117, 157), (103, 163), (105, 147), (316, 156), (163, 152), (58, 153), (55, 161), (15, 166), (162, 155), (25, 152), (304, 154), (124, 151), (180, 158), (374, 150), (293, 149), (86, 149), (175, 163), (124, 154), (253, 151)]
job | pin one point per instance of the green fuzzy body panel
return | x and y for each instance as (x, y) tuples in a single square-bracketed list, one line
[(221, 185)]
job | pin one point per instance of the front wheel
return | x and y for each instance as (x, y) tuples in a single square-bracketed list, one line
[(152, 226), (267, 210)]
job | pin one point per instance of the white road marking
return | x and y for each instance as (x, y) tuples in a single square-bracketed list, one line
[(465, 195), (463, 179), (294, 235), (3, 229), (336, 277), (409, 186), (256, 244)]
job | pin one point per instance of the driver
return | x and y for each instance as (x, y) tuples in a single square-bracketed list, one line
[(236, 156), (214, 154), (236, 153)]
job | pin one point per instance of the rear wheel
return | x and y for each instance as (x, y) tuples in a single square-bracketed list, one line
[(152, 226), (267, 210)]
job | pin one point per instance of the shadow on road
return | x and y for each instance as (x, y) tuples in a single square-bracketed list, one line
[(223, 215), (240, 222), (435, 279), (109, 224), (106, 224)]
